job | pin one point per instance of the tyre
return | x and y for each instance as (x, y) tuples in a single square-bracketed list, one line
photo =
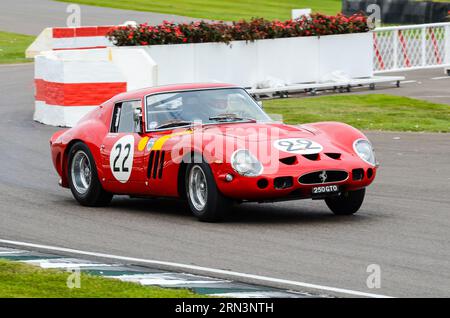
[(83, 177), (204, 199), (347, 203)]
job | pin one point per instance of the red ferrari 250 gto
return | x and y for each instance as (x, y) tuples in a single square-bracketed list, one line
[(211, 145)]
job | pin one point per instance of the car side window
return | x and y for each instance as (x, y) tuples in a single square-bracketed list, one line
[(123, 117)]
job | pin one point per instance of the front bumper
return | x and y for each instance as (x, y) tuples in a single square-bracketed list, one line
[(286, 184)]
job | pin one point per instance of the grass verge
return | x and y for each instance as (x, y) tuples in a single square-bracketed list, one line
[(227, 10), (20, 280), (13, 46), (372, 111)]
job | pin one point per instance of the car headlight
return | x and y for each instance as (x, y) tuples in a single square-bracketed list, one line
[(364, 150), (246, 164)]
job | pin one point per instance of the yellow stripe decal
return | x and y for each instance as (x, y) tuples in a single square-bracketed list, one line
[(161, 141), (142, 143)]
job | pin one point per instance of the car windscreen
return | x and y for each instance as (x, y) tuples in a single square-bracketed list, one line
[(207, 106)]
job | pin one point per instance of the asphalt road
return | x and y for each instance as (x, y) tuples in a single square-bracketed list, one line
[(32, 16), (432, 85), (403, 225)]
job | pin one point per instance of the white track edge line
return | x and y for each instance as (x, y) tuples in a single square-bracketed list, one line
[(199, 268)]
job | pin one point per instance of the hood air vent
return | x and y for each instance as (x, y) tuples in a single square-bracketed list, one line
[(289, 160), (333, 155)]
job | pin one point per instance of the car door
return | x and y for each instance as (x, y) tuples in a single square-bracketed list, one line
[(122, 158)]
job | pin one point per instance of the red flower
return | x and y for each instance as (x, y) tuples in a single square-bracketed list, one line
[(178, 32), (258, 28)]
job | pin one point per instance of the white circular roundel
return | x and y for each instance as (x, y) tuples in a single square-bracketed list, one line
[(299, 146), (121, 158)]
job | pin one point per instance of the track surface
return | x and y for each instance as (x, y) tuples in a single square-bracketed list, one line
[(432, 85), (403, 225)]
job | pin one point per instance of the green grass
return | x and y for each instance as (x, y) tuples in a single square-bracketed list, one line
[(221, 9), (26, 281), (13, 46), (373, 112)]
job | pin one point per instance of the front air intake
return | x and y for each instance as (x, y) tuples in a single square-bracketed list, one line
[(324, 176), (358, 174), (281, 183)]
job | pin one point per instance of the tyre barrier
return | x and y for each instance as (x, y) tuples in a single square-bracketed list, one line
[(402, 11)]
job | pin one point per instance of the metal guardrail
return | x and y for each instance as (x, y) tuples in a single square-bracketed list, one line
[(411, 47)]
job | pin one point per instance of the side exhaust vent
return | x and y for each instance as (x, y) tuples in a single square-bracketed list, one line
[(155, 164)]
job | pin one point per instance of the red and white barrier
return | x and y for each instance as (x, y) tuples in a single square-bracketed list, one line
[(91, 37), (71, 83)]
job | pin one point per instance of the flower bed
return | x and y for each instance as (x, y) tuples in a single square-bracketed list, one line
[(256, 29)]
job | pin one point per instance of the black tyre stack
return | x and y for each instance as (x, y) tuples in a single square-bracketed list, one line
[(402, 11)]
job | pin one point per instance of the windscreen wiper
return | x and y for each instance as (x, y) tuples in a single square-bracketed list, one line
[(230, 117), (174, 123)]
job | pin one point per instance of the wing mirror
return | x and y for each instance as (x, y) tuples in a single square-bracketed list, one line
[(137, 119)]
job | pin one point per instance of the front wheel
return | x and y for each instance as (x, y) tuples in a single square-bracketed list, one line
[(83, 177), (204, 199), (347, 203)]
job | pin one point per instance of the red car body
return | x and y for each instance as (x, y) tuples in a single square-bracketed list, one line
[(158, 171)]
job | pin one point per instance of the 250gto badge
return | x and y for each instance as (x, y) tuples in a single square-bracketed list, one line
[(299, 146), (121, 158)]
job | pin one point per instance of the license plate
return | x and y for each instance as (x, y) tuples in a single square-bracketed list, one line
[(325, 189)]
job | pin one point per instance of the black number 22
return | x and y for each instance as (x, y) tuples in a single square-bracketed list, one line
[(119, 148), (299, 144)]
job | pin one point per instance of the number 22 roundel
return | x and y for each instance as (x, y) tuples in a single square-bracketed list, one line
[(299, 146), (121, 158)]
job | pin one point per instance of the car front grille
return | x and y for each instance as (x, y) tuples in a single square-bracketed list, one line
[(323, 176)]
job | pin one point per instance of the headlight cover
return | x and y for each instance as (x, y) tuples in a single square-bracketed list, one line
[(246, 164), (364, 150)]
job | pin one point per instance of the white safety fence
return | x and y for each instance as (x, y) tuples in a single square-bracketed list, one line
[(411, 47)]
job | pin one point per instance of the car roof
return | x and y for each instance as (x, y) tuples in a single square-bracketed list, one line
[(139, 93)]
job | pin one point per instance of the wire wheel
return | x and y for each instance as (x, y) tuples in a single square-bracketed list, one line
[(81, 172), (198, 188)]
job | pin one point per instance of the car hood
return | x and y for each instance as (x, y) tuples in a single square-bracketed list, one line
[(274, 139), (258, 132)]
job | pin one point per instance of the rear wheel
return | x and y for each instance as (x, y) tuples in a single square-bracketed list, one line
[(204, 199), (347, 203), (83, 177)]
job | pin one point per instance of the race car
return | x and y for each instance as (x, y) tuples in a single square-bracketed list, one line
[(211, 145)]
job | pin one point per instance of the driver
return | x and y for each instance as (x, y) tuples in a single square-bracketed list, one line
[(218, 105), (227, 104), (191, 107)]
